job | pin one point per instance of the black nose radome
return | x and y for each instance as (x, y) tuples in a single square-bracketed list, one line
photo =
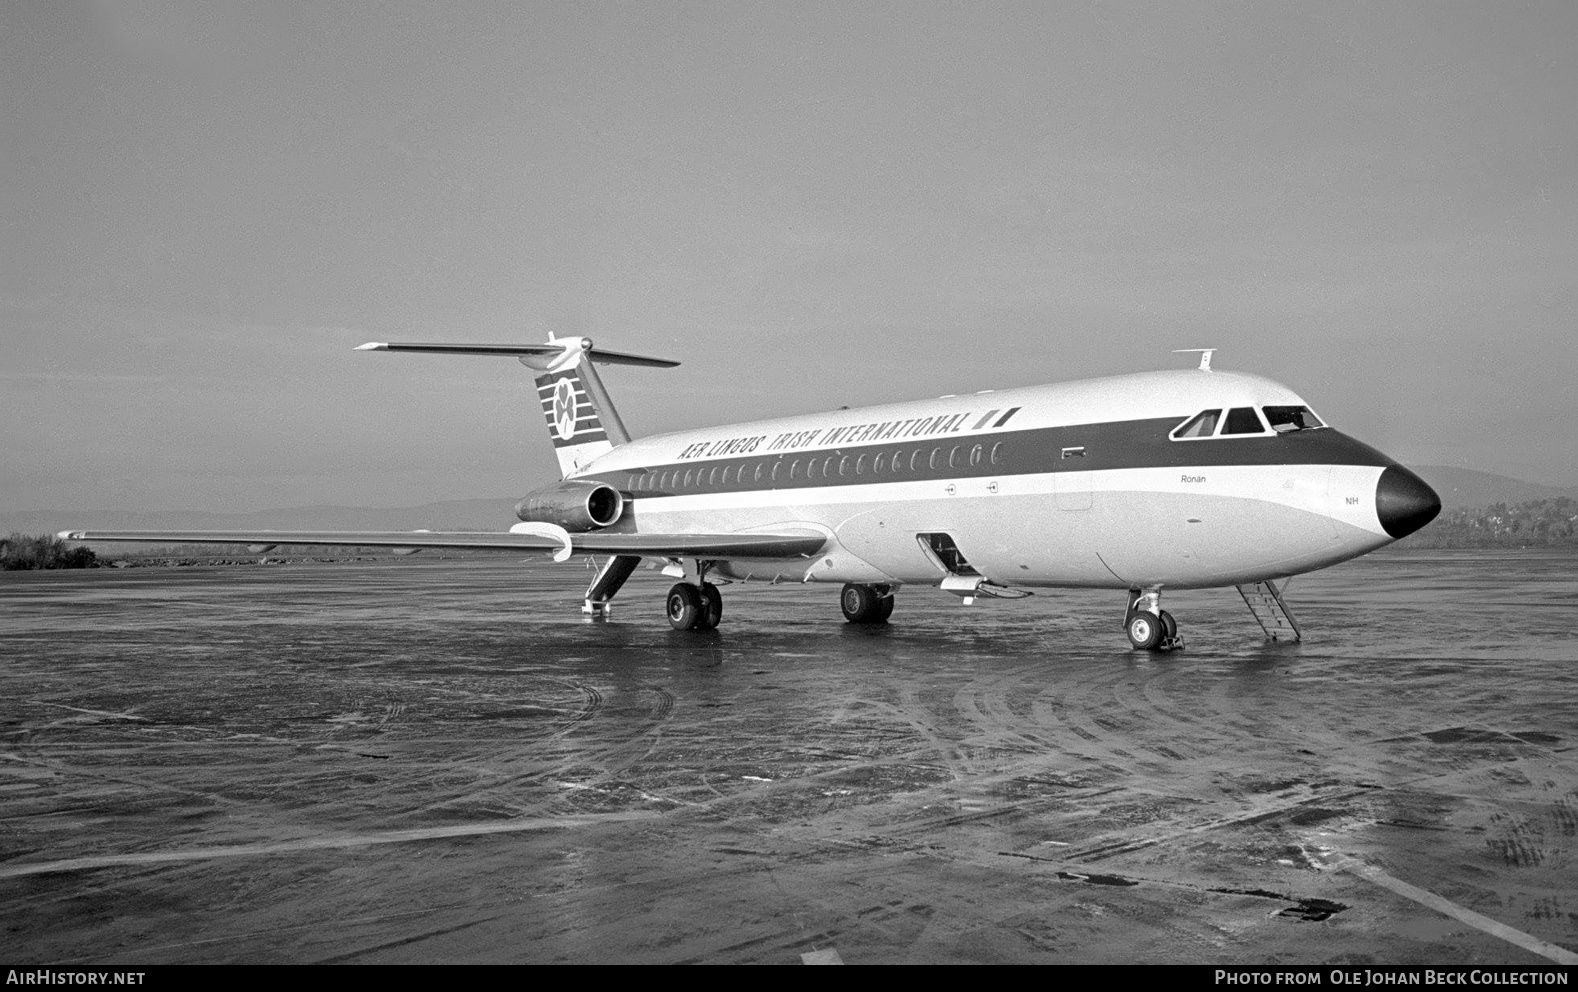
[(1404, 502)]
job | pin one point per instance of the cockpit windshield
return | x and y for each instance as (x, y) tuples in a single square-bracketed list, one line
[(1244, 421), (1286, 419), (1202, 425)]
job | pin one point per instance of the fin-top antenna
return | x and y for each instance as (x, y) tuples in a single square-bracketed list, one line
[(1205, 356)]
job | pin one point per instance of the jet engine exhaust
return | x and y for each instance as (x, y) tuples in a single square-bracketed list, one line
[(575, 506)]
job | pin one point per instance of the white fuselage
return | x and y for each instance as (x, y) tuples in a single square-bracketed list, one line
[(1075, 484)]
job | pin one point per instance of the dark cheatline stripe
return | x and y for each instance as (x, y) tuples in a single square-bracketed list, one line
[(1007, 415), (1118, 445)]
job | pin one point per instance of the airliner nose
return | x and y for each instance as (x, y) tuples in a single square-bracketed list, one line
[(1404, 502)]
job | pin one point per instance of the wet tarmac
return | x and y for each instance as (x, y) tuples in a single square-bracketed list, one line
[(437, 761)]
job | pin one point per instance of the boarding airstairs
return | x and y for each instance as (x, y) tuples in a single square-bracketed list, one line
[(1266, 604)]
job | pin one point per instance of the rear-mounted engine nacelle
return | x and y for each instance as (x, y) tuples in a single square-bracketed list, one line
[(575, 506)]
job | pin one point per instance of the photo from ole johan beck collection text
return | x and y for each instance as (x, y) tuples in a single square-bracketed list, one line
[(1079, 484)]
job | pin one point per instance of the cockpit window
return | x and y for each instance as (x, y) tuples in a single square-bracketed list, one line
[(1285, 419), (1202, 425), (1242, 420)]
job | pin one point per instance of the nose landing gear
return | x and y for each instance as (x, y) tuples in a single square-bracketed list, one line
[(1150, 628)]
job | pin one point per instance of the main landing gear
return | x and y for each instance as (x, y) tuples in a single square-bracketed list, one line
[(694, 604), (867, 605), (693, 607), (1150, 628)]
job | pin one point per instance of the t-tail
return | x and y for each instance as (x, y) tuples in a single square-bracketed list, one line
[(582, 422)]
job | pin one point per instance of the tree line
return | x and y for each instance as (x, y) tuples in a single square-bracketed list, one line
[(21, 551), (1535, 523)]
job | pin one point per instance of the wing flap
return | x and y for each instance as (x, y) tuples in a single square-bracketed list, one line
[(802, 545)]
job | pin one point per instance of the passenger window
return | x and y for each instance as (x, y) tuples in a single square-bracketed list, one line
[(688, 473), (936, 458), (975, 455), (759, 467), (878, 462), (954, 458), (1242, 420), (794, 469), (827, 467), (997, 452), (1202, 425), (860, 465), (915, 460), (843, 465), (1285, 419)]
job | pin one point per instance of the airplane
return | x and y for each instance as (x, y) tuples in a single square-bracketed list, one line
[(1184, 479)]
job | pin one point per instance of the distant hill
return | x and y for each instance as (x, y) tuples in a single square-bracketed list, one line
[(1466, 489), (468, 514)]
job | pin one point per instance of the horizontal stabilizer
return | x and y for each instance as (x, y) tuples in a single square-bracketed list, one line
[(802, 545), (599, 355)]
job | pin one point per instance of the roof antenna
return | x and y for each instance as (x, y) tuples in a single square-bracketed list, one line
[(1205, 356)]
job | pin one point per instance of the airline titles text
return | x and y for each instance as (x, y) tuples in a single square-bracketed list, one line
[(849, 434)]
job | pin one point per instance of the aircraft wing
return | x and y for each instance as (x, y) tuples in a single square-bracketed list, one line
[(802, 545)]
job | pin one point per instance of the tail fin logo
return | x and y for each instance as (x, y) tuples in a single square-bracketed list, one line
[(564, 408), (571, 415)]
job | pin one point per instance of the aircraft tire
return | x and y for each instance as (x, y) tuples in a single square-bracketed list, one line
[(712, 607), (685, 606), (884, 609), (1144, 630), (1169, 626), (859, 603)]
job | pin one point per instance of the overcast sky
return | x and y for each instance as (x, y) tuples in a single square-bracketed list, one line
[(206, 206)]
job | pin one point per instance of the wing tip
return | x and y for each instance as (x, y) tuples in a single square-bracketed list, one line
[(373, 346)]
